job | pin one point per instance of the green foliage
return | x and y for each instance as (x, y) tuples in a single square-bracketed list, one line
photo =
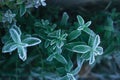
[(59, 51), (17, 43), (82, 27), (8, 17)]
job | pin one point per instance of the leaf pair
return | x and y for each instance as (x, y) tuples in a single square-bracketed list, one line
[(95, 49), (88, 51), (17, 43), (82, 27)]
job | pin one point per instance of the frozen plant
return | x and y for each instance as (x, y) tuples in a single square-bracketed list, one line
[(17, 43), (35, 3), (8, 16)]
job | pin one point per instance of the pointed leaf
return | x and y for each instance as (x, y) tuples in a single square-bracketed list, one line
[(31, 41), (22, 52), (22, 10), (15, 36), (80, 20), (17, 29), (89, 31), (50, 58), (69, 66), (47, 43), (74, 34), (91, 41), (96, 42), (86, 25), (9, 47), (65, 18), (63, 37), (69, 46), (60, 58), (53, 42), (80, 28), (54, 34), (81, 49)]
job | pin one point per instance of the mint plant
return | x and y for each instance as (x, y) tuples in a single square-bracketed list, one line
[(62, 48), (17, 43), (89, 52)]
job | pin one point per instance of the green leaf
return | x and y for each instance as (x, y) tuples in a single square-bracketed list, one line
[(22, 10), (65, 18), (74, 34), (86, 56), (80, 20), (22, 52), (47, 43), (9, 47), (86, 25), (60, 58), (89, 31), (31, 41), (92, 58), (91, 41), (54, 34), (17, 29), (50, 58), (96, 41), (81, 49), (8, 17), (53, 41), (69, 66), (15, 36), (69, 46), (63, 37), (99, 51), (80, 28)]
